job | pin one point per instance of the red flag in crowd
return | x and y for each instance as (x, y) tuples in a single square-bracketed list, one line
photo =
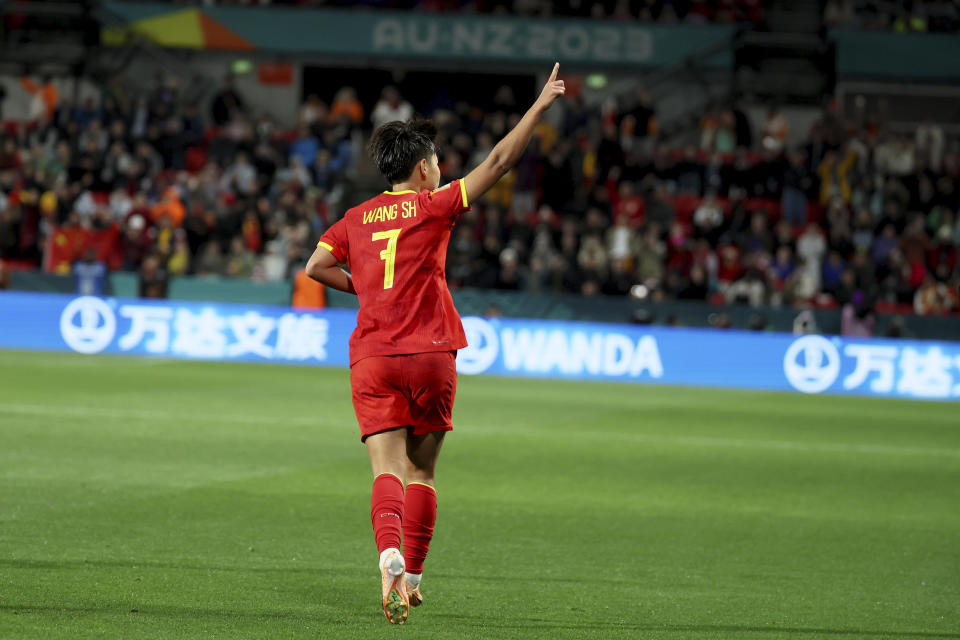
[(65, 245)]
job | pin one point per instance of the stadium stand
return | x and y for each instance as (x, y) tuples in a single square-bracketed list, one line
[(922, 15), (595, 206), (852, 211)]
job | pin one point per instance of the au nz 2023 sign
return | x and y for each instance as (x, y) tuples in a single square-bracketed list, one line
[(503, 346), (418, 34)]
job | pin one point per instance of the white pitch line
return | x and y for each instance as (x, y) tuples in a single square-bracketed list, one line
[(140, 414), (826, 447), (729, 443), (697, 441)]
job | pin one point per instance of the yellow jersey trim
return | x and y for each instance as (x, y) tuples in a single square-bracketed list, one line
[(423, 484), (463, 192), (325, 246), (399, 193)]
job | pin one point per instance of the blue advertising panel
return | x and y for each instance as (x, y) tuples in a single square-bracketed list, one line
[(174, 329), (502, 346), (698, 357)]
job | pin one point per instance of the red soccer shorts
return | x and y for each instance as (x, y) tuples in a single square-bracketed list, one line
[(415, 390)]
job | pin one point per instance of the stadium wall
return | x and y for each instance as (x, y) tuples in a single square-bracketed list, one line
[(478, 302), (412, 35), (810, 364), (919, 57), (488, 38)]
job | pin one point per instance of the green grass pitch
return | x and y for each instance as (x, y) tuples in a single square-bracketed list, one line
[(159, 499)]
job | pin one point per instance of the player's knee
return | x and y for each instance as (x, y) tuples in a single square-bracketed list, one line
[(419, 474)]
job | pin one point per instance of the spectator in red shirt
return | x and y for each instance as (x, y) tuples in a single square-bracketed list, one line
[(630, 206)]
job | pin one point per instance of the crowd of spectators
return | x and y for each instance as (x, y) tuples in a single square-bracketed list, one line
[(903, 16), (153, 181), (854, 216)]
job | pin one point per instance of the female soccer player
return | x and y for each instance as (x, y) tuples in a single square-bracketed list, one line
[(402, 354)]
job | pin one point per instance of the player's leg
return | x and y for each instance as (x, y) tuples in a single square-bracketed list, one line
[(387, 451), (383, 413), (420, 507), (432, 385)]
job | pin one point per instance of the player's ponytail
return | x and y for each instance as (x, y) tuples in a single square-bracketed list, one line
[(397, 147)]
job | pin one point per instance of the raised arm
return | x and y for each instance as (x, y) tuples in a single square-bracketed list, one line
[(506, 153)]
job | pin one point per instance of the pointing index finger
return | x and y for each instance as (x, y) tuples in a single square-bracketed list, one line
[(553, 75)]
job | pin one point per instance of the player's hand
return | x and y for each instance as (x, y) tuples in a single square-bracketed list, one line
[(552, 90)]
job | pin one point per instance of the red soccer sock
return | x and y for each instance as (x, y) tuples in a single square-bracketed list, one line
[(420, 514), (386, 511)]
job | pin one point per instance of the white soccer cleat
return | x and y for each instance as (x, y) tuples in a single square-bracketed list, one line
[(396, 603)]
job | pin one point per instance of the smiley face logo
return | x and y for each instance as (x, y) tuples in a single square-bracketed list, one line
[(811, 364), (88, 324)]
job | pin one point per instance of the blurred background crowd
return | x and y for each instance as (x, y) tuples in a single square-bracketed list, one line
[(894, 15), (854, 214), (595, 205)]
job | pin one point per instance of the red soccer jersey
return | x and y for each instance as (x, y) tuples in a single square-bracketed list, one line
[(395, 246)]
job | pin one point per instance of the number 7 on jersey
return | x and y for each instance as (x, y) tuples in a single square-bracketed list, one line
[(388, 255)]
